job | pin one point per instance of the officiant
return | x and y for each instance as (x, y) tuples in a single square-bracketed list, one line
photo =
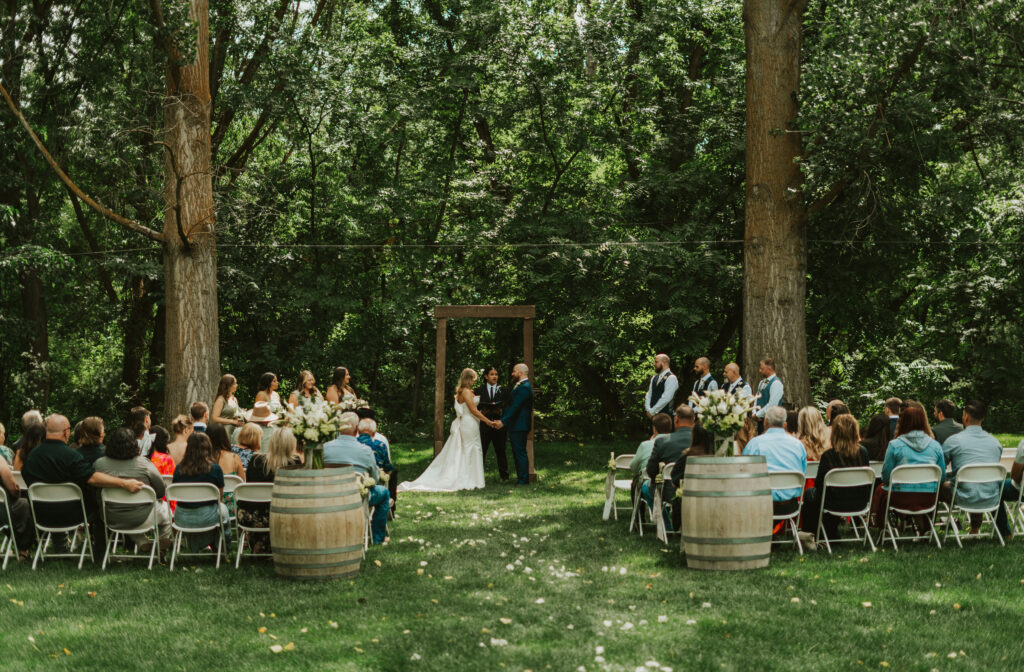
[(493, 399)]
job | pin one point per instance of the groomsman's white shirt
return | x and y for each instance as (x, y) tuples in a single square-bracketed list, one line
[(775, 390), (671, 386), (711, 386), (743, 391)]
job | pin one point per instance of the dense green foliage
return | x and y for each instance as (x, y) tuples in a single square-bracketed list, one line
[(374, 159)]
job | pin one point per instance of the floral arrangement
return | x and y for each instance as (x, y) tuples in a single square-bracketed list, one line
[(317, 422), (721, 412), (351, 403)]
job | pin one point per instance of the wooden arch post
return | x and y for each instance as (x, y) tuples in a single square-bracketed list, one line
[(441, 314)]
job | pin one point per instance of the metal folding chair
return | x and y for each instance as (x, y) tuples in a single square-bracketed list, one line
[(59, 493), (977, 474), (251, 493), (20, 480), (8, 544), (197, 493), (146, 497), (911, 474), (613, 485), (789, 480), (659, 508), (850, 477)]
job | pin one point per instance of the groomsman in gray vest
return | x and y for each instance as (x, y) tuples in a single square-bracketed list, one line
[(661, 389), (705, 381), (734, 384)]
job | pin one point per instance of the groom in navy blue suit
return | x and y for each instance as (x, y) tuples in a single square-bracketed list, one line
[(518, 418)]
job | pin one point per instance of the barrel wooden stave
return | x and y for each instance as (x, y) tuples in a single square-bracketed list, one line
[(316, 524), (726, 513)]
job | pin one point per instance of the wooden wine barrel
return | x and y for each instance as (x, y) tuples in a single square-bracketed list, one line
[(316, 524), (727, 513)]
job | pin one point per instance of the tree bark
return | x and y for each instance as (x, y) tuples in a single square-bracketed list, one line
[(190, 251), (775, 240)]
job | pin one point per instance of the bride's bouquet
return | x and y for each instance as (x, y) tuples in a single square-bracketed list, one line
[(722, 412), (351, 403)]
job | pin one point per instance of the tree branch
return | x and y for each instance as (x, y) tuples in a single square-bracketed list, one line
[(113, 216)]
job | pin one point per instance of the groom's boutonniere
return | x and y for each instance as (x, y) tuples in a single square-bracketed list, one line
[(519, 382)]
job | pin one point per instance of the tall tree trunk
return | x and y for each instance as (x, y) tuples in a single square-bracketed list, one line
[(140, 311), (190, 251), (775, 241), (155, 371)]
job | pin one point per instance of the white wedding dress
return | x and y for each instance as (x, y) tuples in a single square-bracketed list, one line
[(460, 464)]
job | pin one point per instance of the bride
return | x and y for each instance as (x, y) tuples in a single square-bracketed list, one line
[(460, 464)]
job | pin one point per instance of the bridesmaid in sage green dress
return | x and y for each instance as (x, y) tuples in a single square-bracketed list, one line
[(225, 405)]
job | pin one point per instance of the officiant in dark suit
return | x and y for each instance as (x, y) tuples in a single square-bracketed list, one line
[(493, 399)]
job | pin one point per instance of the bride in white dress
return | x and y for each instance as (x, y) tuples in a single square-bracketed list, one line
[(460, 464)]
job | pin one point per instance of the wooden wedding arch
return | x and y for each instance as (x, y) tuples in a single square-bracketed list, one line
[(442, 314)]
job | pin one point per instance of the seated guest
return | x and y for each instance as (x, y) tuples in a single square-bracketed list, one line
[(53, 461), (346, 449), (248, 443), (200, 413), (783, 453), (229, 461), (835, 408), (140, 420), (263, 417), (947, 426), (877, 437), (662, 423), (122, 459), (20, 522), (893, 405), (158, 453), (367, 429), (703, 444), (32, 437), (912, 445), (668, 448), (225, 404), (181, 427), (927, 425), (90, 438), (280, 454), (5, 453), (972, 446), (844, 451), (811, 432), (793, 423), (29, 418), (200, 466), (1011, 490)]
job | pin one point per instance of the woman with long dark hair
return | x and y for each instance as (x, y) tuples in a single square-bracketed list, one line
[(225, 405), (340, 389), (266, 390), (30, 438), (877, 437), (844, 451), (200, 466)]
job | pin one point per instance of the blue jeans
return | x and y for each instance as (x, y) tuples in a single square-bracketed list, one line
[(379, 500), (1010, 495)]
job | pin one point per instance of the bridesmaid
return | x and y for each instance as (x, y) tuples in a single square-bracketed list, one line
[(225, 405), (267, 391), (305, 391), (340, 388)]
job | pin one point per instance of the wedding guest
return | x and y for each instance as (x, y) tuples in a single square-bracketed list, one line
[(227, 459), (705, 381), (703, 444), (305, 391), (339, 388), (200, 466), (892, 409), (972, 446), (638, 465), (835, 408), (6, 453), (661, 389), (225, 404), (29, 418), (30, 438), (733, 383), (159, 454), (947, 426), (280, 453), (346, 449), (367, 428), (267, 391), (912, 445), (264, 419), (140, 421), (90, 441), (877, 437), (811, 432), (844, 451), (122, 459), (667, 449), (792, 423), (21, 514), (200, 413), (181, 426), (1011, 490), (927, 424), (769, 391), (248, 443), (783, 453)]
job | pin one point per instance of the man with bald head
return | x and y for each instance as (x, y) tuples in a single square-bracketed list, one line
[(705, 381), (53, 461), (661, 389), (518, 417), (734, 384)]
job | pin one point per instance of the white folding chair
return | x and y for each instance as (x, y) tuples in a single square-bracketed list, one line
[(659, 513), (20, 480), (811, 472), (790, 480), (197, 493), (876, 466), (1015, 510), (8, 544), (251, 493), (977, 474), (640, 509), (850, 477), (911, 474), (614, 485), (59, 493), (168, 479), (144, 498), (231, 481)]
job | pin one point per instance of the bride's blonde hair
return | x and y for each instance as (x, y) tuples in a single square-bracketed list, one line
[(465, 381)]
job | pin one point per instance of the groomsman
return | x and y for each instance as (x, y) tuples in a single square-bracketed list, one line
[(734, 384), (769, 390), (705, 381), (661, 389), (493, 399)]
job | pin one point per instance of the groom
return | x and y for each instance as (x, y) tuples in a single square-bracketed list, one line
[(518, 418)]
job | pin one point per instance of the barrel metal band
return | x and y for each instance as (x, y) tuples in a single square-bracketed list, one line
[(333, 471), (762, 474), (317, 565), (739, 459), (320, 577), (725, 493), (306, 483), (318, 551), (315, 509), (718, 541), (725, 558), (315, 495)]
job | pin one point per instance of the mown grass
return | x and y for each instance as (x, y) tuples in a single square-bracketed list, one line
[(441, 596)]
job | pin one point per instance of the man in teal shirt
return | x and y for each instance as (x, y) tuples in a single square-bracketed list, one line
[(972, 446), (662, 425)]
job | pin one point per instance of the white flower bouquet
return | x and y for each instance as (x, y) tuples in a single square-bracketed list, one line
[(351, 403), (313, 424), (721, 412)]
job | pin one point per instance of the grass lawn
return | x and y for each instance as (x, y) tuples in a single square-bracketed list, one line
[(528, 579)]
